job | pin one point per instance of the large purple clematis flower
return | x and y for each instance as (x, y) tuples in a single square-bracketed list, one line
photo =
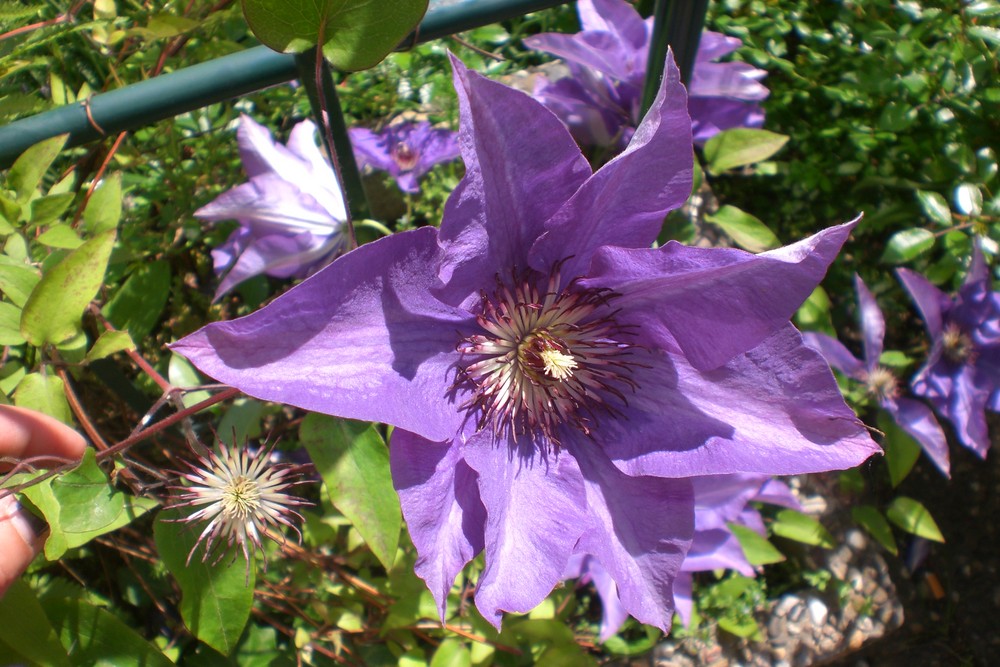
[(406, 150), (552, 379), (719, 501), (961, 378), (912, 416), (600, 100), (291, 213)]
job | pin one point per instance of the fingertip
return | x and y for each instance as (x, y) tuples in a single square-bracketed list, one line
[(22, 535), (25, 433)]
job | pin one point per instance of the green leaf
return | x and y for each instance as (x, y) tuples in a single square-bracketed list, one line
[(26, 174), (914, 518), (104, 209), (10, 215), (44, 393), (968, 199), (17, 280), (81, 504), (757, 548), (452, 653), (61, 236), (935, 207), (872, 520), (165, 26), (901, 450), (741, 146), (181, 373), (216, 597), (109, 343), (138, 304), (353, 461), (907, 245), (52, 313), (46, 209), (94, 636), (748, 232), (986, 33), (25, 628), (814, 313), (10, 324), (356, 34), (801, 528)]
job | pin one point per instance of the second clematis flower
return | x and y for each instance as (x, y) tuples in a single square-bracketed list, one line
[(292, 213), (600, 100), (406, 150), (554, 381), (961, 378), (912, 416), (719, 501)]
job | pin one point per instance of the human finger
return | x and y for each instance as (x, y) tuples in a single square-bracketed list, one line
[(22, 535), (25, 433)]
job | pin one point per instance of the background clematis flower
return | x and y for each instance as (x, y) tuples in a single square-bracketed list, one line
[(291, 211), (407, 150), (718, 501), (912, 416), (600, 100), (554, 381), (961, 377)]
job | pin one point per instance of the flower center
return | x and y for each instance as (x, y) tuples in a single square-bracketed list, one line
[(881, 383), (404, 155), (957, 345), (544, 359), (240, 497)]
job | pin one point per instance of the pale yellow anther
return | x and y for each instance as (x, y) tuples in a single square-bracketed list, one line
[(558, 365)]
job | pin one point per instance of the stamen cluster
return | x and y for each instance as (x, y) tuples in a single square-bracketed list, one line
[(958, 347), (882, 383), (546, 359), (404, 155)]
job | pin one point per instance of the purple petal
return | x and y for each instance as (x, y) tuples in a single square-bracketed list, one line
[(965, 407), (715, 303), (720, 499), (589, 569), (774, 410), (711, 115), (362, 339), (520, 165), (371, 149), (436, 145), (684, 597), (640, 530), (930, 301), (625, 202), (715, 45), (838, 356), (717, 549), (270, 204), (776, 492), (616, 17), (441, 505), (917, 419), (281, 256), (536, 510), (729, 81), (872, 323)]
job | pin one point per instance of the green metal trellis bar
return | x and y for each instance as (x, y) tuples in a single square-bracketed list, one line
[(218, 80), (678, 22)]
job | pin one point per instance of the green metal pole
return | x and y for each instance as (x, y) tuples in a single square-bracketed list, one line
[(337, 142), (225, 78), (677, 23)]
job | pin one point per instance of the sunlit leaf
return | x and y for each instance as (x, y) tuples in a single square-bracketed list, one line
[(748, 232), (757, 549), (25, 628), (914, 518), (44, 393), (356, 34), (353, 461), (935, 206), (105, 206), (872, 521), (741, 146), (216, 598), (27, 171), (901, 450), (908, 245), (109, 343), (801, 528), (52, 312)]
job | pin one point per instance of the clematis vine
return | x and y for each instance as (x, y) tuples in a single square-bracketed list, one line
[(961, 377), (719, 501), (600, 99), (554, 381), (881, 384), (407, 150), (291, 212)]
